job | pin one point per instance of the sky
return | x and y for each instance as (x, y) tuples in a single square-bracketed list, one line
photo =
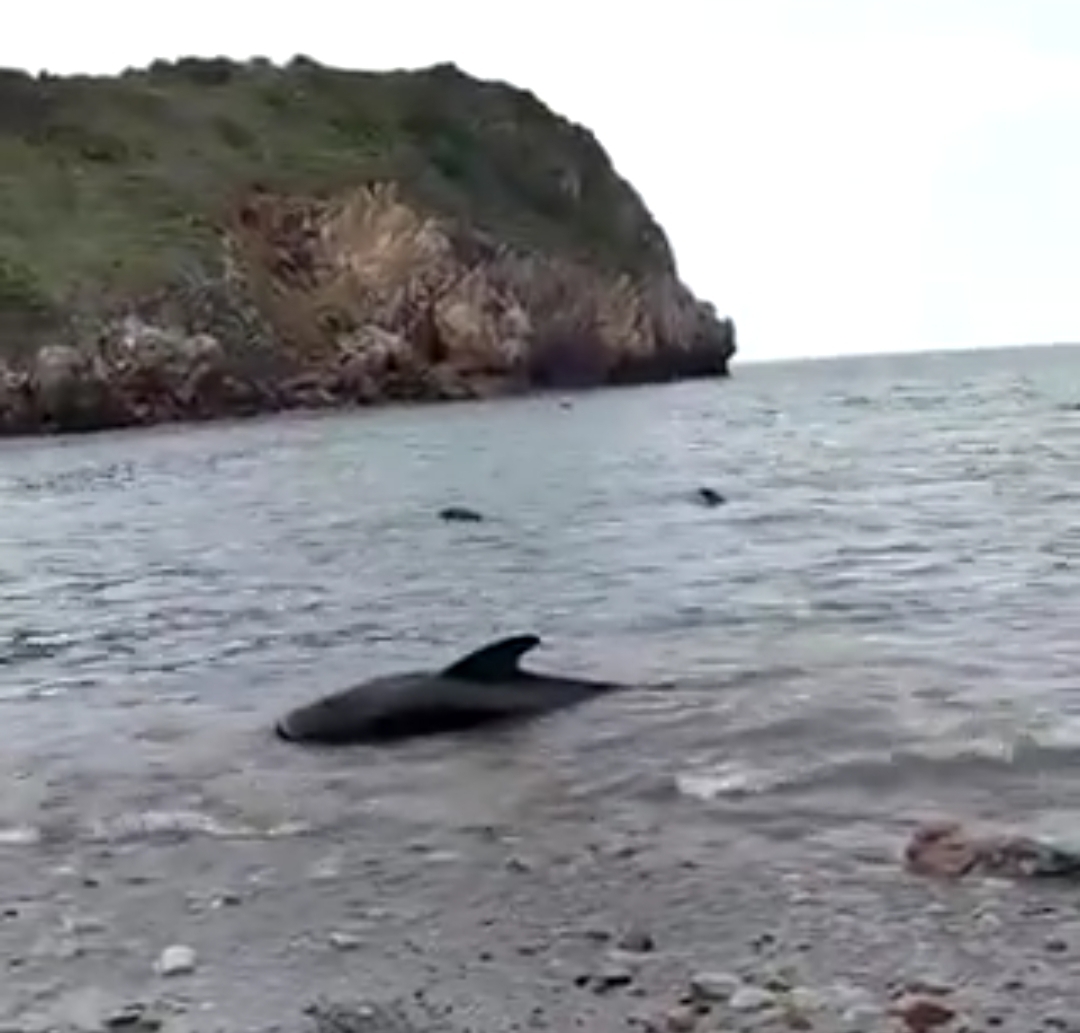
[(839, 176)]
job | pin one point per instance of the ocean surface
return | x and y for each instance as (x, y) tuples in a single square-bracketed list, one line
[(882, 623)]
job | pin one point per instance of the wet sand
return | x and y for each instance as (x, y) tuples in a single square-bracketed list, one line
[(295, 880)]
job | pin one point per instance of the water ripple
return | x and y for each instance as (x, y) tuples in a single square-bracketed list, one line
[(882, 615)]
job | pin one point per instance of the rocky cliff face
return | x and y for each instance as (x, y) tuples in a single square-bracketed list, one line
[(369, 291)]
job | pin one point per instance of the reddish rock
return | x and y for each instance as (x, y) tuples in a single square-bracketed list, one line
[(946, 849), (922, 1014)]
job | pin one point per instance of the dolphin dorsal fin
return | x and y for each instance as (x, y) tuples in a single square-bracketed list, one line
[(497, 661)]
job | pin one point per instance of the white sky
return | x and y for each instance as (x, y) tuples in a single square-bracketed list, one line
[(838, 175)]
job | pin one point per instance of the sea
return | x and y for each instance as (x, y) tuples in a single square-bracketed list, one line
[(880, 624)]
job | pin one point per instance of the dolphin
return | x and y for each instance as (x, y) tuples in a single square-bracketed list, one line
[(710, 497), (481, 688)]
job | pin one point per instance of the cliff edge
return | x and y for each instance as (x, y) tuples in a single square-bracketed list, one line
[(208, 238)]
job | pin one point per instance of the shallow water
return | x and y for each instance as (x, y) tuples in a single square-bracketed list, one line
[(880, 624)]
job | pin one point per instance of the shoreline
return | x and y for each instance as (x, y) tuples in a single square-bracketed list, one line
[(551, 925), (45, 430)]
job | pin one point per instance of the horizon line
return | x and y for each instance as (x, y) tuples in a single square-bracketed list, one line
[(741, 358)]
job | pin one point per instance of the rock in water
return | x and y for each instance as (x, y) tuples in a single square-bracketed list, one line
[(710, 497), (460, 515)]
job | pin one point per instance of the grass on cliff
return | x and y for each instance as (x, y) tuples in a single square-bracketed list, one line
[(108, 185)]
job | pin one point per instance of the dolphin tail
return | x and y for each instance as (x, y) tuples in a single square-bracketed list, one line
[(495, 662)]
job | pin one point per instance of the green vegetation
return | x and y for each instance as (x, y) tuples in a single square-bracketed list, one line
[(110, 186)]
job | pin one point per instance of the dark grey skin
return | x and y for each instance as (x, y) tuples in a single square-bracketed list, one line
[(710, 497), (461, 515), (484, 688)]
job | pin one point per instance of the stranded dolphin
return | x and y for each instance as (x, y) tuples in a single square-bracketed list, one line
[(484, 687)]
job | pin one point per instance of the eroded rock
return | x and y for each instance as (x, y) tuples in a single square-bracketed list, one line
[(359, 299)]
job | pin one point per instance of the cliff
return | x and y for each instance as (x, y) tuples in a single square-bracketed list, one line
[(208, 238)]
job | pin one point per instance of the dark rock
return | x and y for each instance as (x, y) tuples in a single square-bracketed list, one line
[(710, 497), (460, 514), (610, 977), (133, 1018), (636, 941), (922, 1014)]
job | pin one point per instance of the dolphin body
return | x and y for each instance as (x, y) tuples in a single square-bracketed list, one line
[(485, 687)]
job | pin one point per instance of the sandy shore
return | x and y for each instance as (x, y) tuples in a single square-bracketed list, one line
[(582, 920)]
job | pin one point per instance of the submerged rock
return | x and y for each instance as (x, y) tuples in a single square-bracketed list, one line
[(460, 515), (710, 497)]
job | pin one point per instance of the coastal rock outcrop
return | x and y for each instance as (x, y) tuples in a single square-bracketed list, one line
[(376, 289)]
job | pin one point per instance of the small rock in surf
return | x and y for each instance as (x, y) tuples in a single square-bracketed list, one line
[(460, 515), (710, 497)]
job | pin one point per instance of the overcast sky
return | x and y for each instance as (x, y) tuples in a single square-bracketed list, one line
[(838, 175)]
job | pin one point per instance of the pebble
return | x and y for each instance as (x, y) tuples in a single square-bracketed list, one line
[(227, 899), (176, 960), (132, 1016), (608, 978), (797, 1020), (22, 835), (751, 998), (926, 986), (861, 1017), (853, 998), (920, 1014), (624, 959), (636, 941), (779, 982), (1062, 1024), (442, 856), (988, 922), (805, 999), (763, 942), (327, 869), (714, 986), (67, 949), (681, 1019), (344, 941)]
